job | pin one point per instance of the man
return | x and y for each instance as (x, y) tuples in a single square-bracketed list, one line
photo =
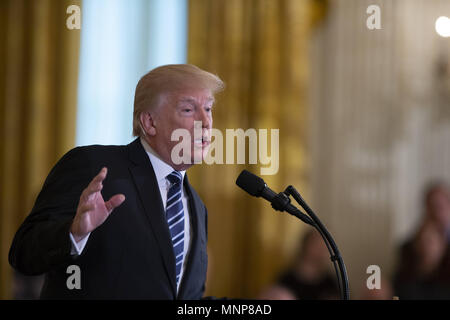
[(148, 241)]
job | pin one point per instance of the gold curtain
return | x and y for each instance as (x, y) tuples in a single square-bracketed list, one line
[(38, 80), (260, 49)]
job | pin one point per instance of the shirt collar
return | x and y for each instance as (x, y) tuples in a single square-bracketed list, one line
[(162, 169)]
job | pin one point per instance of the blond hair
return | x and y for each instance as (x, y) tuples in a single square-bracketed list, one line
[(166, 79)]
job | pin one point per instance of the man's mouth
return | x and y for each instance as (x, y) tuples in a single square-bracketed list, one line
[(203, 142)]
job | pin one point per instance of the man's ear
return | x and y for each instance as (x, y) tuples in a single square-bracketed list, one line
[(147, 124)]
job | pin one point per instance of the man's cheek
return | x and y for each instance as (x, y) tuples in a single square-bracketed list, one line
[(181, 147)]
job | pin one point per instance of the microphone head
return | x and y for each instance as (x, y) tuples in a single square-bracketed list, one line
[(251, 183)]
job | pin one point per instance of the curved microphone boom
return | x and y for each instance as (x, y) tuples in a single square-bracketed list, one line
[(256, 187)]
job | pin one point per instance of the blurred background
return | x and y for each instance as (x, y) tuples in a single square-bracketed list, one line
[(361, 97)]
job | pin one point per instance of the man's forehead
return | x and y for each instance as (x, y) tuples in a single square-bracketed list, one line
[(195, 98)]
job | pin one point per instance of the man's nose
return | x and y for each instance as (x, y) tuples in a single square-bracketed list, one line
[(205, 118)]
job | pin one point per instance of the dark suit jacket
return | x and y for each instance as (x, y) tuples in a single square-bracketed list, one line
[(130, 256)]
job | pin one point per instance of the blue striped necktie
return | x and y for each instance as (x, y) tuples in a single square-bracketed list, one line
[(175, 219)]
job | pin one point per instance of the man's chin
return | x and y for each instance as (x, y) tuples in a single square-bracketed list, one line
[(200, 154)]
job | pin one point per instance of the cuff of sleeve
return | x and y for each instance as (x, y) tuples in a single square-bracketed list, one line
[(77, 248)]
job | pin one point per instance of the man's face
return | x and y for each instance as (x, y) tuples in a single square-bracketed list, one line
[(179, 110)]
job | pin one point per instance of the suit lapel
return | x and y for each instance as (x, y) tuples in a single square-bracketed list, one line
[(145, 179), (196, 219)]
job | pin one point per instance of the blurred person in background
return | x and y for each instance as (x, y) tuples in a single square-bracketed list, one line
[(309, 277), (437, 201), (424, 264)]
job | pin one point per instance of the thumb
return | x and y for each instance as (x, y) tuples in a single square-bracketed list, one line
[(114, 202)]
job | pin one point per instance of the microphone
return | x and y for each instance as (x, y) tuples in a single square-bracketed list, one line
[(256, 187)]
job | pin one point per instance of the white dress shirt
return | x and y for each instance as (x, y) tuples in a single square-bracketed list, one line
[(161, 170)]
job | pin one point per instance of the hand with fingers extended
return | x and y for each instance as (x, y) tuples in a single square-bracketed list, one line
[(92, 210)]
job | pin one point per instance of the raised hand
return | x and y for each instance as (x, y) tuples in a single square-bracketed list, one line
[(92, 210)]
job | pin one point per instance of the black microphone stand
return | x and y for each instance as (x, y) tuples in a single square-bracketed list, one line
[(280, 202)]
